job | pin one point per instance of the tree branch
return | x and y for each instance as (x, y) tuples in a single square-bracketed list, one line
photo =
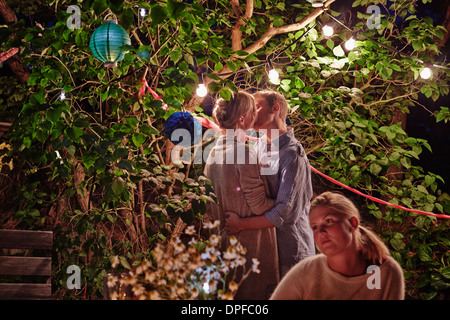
[(236, 33), (272, 31), (9, 16)]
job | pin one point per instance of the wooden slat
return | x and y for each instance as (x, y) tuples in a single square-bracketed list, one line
[(25, 266), (26, 239), (25, 291)]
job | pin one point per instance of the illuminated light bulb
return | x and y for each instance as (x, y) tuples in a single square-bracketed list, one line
[(142, 12), (274, 75), (62, 96), (328, 31), (201, 90), (350, 44), (206, 287), (58, 156), (426, 73)]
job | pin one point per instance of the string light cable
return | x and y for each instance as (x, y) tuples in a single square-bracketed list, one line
[(390, 48)]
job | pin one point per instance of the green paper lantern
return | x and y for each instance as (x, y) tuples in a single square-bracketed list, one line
[(106, 41)]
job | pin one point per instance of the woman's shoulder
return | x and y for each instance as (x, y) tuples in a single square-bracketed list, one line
[(311, 264), (392, 264)]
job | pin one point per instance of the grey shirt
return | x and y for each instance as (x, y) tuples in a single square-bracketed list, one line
[(286, 167)]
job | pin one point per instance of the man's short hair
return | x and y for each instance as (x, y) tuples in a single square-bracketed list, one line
[(273, 97)]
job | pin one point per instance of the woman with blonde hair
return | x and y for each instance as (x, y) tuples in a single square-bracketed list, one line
[(234, 172), (354, 263)]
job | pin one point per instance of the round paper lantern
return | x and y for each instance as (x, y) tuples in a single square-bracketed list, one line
[(182, 120), (106, 41)]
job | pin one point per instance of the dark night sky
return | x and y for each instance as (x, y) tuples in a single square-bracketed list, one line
[(420, 124)]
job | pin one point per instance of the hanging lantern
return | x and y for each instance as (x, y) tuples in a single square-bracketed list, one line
[(106, 41), (183, 120)]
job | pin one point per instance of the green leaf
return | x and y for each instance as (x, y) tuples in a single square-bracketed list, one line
[(116, 5), (138, 139), (330, 44), (425, 253), (225, 93), (26, 141), (117, 187), (175, 54), (124, 262), (99, 6), (54, 114), (375, 169), (445, 272), (218, 66), (40, 97), (175, 8), (74, 132), (397, 244), (158, 14), (125, 164)]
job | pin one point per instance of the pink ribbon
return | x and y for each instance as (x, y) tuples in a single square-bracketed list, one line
[(145, 87)]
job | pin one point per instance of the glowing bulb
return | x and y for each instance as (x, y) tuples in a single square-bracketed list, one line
[(426, 73), (142, 12), (274, 75), (350, 44), (206, 287), (201, 90), (62, 96), (327, 31)]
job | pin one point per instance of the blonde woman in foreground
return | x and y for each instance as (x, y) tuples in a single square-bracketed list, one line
[(354, 263)]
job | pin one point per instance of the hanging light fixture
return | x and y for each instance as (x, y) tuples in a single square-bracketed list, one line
[(201, 91), (328, 31), (426, 73), (106, 41), (273, 74), (350, 44)]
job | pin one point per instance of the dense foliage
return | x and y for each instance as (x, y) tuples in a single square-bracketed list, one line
[(95, 167)]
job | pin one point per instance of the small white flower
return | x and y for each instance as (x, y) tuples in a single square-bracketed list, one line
[(111, 281), (214, 239), (233, 286), (115, 261), (255, 265), (154, 295), (190, 230), (138, 290)]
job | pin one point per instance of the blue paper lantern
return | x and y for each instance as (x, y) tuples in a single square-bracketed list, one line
[(106, 41), (183, 120)]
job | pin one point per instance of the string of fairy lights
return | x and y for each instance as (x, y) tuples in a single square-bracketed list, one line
[(350, 44), (273, 75)]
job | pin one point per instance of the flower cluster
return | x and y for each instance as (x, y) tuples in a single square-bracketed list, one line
[(198, 269)]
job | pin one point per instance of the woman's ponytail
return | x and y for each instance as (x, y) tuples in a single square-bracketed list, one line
[(371, 246)]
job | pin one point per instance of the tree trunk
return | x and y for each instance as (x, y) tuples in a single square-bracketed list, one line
[(14, 62)]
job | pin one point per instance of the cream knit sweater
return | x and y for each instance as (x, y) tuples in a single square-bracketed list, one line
[(313, 279)]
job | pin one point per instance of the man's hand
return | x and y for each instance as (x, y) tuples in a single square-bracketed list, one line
[(232, 222)]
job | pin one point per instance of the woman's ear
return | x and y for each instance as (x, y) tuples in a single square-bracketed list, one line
[(354, 222)]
